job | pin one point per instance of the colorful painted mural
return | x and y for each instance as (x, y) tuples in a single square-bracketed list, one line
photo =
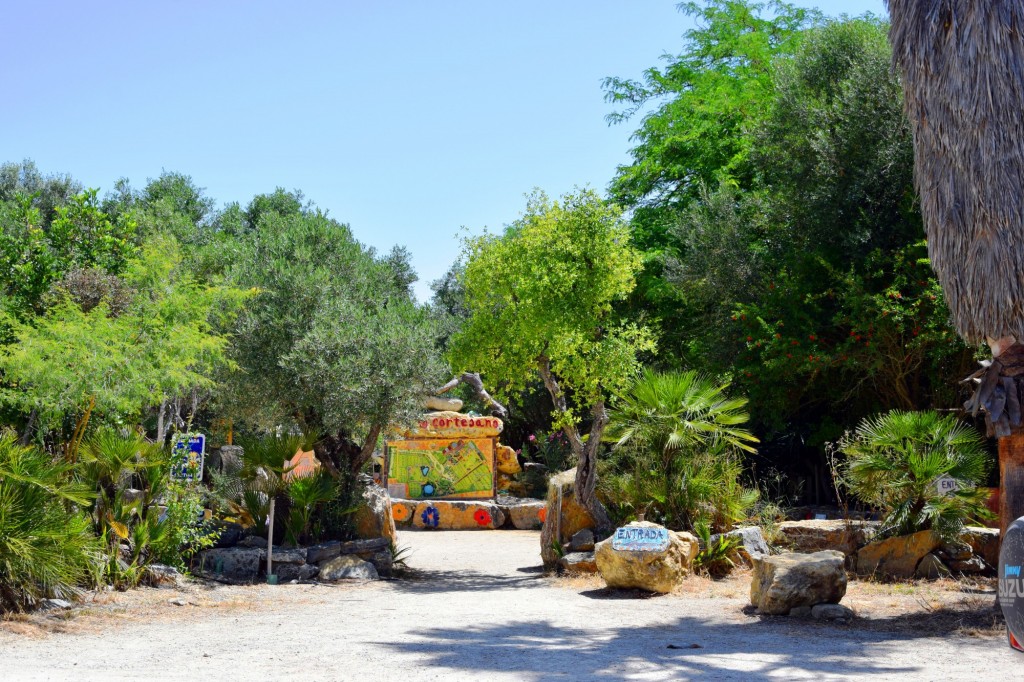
[(425, 468)]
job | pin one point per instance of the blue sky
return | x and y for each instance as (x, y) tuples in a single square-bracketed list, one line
[(407, 120)]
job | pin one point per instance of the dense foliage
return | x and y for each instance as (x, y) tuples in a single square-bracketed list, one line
[(894, 462), (772, 192), (678, 438)]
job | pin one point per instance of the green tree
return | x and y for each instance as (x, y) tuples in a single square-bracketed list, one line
[(71, 361), (541, 303), (332, 341)]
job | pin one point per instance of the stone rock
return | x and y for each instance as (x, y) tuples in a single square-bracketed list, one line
[(800, 612), (285, 555), (655, 571), (383, 561), (178, 601), (373, 518), (253, 541), (984, 543), (836, 612), (229, 564), (289, 572), (896, 557), (752, 543), (458, 515), (783, 582), (931, 568), (563, 521), (367, 546), (440, 404), (579, 562), (955, 551), (508, 463), (229, 457), (159, 575), (322, 552), (817, 535), (972, 565), (582, 541), (230, 533), (526, 514), (54, 604), (347, 567)]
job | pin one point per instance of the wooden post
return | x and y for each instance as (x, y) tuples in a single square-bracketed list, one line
[(1011, 480)]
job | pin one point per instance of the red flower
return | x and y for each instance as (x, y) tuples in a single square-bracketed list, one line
[(482, 517)]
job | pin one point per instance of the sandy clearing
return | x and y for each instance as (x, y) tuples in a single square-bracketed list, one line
[(479, 609)]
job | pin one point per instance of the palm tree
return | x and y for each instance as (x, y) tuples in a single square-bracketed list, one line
[(962, 67), (676, 436), (894, 460)]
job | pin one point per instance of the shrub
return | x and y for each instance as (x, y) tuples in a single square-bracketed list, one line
[(47, 548), (893, 462), (676, 459)]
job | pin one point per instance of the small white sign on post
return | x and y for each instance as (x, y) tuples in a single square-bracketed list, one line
[(946, 485)]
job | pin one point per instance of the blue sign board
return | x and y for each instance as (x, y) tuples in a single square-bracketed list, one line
[(187, 455), (640, 539)]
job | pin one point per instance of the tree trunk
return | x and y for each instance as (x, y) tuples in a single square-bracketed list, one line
[(1011, 480), (586, 472), (366, 452), (586, 453)]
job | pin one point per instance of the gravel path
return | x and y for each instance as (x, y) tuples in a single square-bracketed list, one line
[(478, 610)]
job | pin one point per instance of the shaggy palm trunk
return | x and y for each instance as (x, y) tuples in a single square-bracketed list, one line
[(961, 63), (998, 395)]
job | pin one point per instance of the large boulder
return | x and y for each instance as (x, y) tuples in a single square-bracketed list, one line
[(562, 521), (896, 557), (347, 567), (816, 535), (234, 565), (373, 518), (984, 543), (657, 567), (752, 544), (508, 462), (787, 581)]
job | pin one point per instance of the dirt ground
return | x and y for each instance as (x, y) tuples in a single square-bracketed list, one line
[(477, 607)]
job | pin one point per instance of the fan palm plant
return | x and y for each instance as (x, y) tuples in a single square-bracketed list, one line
[(47, 548), (894, 462), (111, 462), (677, 437)]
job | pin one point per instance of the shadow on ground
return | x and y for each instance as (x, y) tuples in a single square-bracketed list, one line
[(690, 647)]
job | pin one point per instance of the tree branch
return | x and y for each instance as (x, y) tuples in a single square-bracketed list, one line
[(561, 406)]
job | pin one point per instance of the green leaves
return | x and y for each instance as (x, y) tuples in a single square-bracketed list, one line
[(46, 548), (676, 437), (332, 339), (546, 288), (894, 460), (163, 343)]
